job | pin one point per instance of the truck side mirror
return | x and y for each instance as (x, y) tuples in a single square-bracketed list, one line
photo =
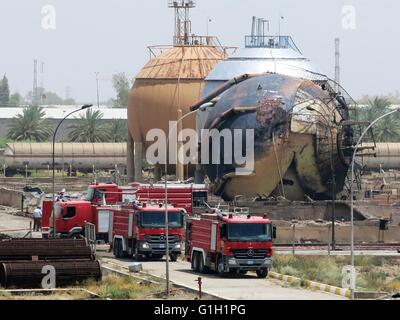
[(222, 230), (274, 232), (137, 217)]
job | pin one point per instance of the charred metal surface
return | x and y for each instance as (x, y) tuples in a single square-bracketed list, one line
[(296, 125)]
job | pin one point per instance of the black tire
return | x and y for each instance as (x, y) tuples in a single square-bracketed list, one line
[(173, 257), (116, 248), (194, 261), (137, 257), (201, 263), (119, 249), (220, 267), (197, 262), (262, 273)]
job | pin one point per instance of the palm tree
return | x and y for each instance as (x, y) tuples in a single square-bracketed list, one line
[(388, 130), (374, 109), (118, 130), (30, 125), (384, 131), (89, 128)]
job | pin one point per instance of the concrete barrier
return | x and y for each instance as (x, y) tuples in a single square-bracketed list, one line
[(312, 284), (10, 198), (364, 232)]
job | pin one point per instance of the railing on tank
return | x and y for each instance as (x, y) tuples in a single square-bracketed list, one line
[(273, 42), (193, 40)]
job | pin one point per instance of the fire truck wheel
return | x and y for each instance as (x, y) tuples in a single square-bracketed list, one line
[(201, 263), (119, 249), (262, 273), (193, 262), (196, 261), (137, 256), (220, 267), (173, 257), (115, 248)]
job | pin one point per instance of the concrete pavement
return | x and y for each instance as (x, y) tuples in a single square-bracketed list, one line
[(247, 287)]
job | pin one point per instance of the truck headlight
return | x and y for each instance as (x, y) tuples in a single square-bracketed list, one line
[(177, 246), (232, 261), (267, 261), (145, 245)]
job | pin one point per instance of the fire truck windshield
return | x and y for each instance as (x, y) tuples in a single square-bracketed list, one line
[(255, 232), (156, 219), (89, 194)]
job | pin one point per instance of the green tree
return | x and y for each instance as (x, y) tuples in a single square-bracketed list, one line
[(384, 131), (49, 98), (30, 125), (387, 131), (16, 100), (4, 91), (118, 130), (69, 102), (89, 128), (121, 85)]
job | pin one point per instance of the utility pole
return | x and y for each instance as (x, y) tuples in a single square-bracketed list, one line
[(35, 83), (97, 85), (41, 82)]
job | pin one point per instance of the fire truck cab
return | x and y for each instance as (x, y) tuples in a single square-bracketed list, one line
[(138, 230), (230, 243)]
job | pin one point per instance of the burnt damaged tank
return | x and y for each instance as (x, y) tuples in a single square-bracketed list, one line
[(302, 140)]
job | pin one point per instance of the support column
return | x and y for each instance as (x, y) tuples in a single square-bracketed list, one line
[(130, 160), (180, 170), (138, 161), (157, 172), (199, 172)]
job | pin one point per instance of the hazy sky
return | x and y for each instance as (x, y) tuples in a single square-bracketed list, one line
[(112, 36)]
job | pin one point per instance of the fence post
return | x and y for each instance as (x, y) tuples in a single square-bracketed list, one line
[(293, 238), (329, 239)]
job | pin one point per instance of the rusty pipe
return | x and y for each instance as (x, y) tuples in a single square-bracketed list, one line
[(228, 113), (221, 89)]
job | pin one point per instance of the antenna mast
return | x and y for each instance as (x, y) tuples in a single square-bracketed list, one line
[(35, 99), (337, 64), (183, 24)]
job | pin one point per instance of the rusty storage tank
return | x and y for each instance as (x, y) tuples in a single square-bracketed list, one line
[(75, 156), (261, 53), (172, 80), (298, 139), (303, 140)]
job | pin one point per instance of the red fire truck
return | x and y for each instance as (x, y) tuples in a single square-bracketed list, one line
[(139, 231), (230, 243), (72, 223), (131, 229)]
